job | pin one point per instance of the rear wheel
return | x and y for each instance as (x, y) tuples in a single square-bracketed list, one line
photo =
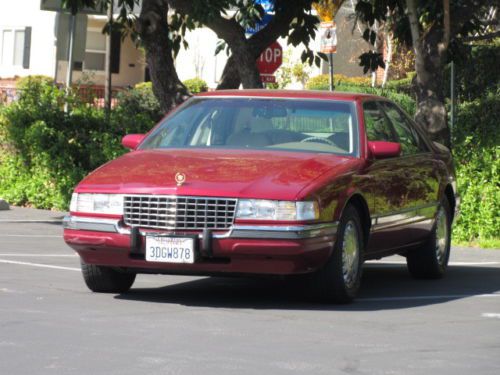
[(431, 260), (106, 279), (339, 280)]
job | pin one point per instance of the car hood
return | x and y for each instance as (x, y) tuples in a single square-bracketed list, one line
[(224, 173)]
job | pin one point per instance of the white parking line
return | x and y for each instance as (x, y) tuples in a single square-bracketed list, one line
[(396, 262), (40, 255), (39, 265), (32, 235), (441, 296), (32, 221), (491, 315)]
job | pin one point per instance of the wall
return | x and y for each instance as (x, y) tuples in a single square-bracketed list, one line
[(23, 13), (132, 63)]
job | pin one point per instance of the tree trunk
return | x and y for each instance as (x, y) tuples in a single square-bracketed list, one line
[(230, 76), (428, 82), (153, 29)]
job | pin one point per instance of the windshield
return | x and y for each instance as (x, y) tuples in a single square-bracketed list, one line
[(260, 123)]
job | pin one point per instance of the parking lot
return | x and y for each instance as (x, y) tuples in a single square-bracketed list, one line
[(51, 323)]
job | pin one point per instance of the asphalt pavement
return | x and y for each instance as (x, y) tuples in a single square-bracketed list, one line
[(50, 323)]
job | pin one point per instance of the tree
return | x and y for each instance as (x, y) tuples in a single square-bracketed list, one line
[(228, 19), (434, 29), (153, 30)]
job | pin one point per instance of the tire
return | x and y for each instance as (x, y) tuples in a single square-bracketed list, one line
[(431, 260), (338, 281), (106, 279)]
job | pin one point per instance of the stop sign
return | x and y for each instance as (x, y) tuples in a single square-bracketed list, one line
[(270, 59)]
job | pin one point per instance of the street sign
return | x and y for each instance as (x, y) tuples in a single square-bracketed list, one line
[(267, 78), (328, 37), (268, 5), (270, 59), (259, 25)]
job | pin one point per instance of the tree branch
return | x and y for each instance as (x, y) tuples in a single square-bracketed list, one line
[(488, 36)]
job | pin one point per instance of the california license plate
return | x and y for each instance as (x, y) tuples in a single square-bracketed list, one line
[(169, 249)]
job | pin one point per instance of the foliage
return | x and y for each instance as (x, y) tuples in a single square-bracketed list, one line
[(466, 17), (195, 85), (138, 104), (477, 156), (402, 85), (32, 81), (46, 152), (474, 73), (362, 85)]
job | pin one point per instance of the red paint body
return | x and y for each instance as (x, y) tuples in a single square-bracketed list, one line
[(331, 180)]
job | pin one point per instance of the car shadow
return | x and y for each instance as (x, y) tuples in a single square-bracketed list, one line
[(384, 286)]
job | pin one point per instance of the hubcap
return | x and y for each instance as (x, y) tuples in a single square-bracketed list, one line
[(441, 236), (350, 254)]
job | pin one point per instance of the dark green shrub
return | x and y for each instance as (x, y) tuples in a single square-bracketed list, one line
[(322, 82), (476, 150), (46, 152), (138, 101), (196, 85), (360, 85)]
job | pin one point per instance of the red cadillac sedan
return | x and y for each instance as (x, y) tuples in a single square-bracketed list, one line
[(262, 182)]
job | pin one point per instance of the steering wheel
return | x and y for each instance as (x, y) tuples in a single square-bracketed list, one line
[(316, 139)]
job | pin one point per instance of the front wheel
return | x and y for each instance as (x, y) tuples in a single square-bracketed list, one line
[(340, 278), (431, 260), (102, 279)]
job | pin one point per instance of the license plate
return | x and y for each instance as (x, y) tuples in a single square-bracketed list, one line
[(169, 249)]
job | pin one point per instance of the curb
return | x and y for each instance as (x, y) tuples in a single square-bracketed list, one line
[(4, 205)]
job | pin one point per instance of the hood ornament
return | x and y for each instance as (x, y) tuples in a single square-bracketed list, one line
[(180, 178)]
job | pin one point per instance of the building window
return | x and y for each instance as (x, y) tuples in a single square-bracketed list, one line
[(95, 50), (12, 47)]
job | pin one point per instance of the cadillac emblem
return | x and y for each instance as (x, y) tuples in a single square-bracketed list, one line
[(180, 178)]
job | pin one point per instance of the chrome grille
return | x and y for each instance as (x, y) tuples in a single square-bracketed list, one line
[(173, 212)]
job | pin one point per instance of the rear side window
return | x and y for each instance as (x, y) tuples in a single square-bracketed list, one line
[(377, 126), (411, 143)]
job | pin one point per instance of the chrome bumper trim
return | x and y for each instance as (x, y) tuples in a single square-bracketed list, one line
[(237, 231)]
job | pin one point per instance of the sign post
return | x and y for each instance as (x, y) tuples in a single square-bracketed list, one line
[(269, 61), (327, 9), (328, 45)]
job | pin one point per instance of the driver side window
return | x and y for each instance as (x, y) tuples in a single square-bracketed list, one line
[(377, 126)]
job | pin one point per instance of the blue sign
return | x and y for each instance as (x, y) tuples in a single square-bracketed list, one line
[(259, 25), (268, 5)]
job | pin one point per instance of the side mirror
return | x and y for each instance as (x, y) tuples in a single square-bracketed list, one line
[(131, 141), (384, 150)]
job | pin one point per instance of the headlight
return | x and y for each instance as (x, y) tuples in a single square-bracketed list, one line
[(97, 203), (256, 209)]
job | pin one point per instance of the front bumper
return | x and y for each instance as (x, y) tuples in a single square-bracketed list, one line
[(259, 249)]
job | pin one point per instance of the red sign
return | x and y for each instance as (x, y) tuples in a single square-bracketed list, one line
[(267, 78), (270, 60)]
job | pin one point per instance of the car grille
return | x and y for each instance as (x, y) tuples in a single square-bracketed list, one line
[(173, 212)]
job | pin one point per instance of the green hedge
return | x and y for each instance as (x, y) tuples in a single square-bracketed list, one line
[(476, 140), (196, 85), (362, 85), (46, 152)]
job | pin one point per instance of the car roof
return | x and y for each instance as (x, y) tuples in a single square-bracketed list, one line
[(290, 94)]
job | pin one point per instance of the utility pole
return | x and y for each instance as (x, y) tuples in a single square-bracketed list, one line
[(71, 45), (107, 85)]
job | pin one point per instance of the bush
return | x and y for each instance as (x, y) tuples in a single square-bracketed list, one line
[(477, 156), (46, 152), (322, 82), (138, 104), (359, 84), (196, 85)]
